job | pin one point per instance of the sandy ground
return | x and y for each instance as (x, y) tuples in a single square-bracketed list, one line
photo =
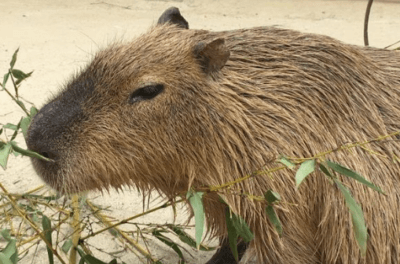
[(56, 38)]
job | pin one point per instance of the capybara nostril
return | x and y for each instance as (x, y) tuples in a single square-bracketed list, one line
[(39, 142)]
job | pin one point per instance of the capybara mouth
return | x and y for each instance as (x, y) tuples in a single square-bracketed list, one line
[(47, 170)]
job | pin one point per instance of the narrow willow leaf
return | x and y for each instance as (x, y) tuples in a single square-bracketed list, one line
[(186, 238), (305, 169), (16, 130), (20, 75), (287, 162), (81, 254), (5, 233), (357, 217), (21, 104), (33, 111), (4, 259), (167, 241), (25, 125), (27, 152), (232, 235), (67, 246), (5, 79), (195, 200), (273, 217), (47, 234), (11, 126), (14, 58), (325, 171), (88, 259), (11, 252), (272, 196), (4, 153), (113, 232), (352, 174), (242, 229)]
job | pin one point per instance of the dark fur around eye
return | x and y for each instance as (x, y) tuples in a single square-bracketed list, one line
[(146, 93)]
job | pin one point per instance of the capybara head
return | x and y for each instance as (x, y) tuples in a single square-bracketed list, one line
[(141, 113), (178, 108)]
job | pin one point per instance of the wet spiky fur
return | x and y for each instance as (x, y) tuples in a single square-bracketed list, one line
[(281, 92)]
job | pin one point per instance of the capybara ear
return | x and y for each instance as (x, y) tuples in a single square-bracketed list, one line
[(213, 55), (173, 16)]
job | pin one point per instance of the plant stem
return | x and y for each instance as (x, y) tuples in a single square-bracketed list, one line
[(32, 224), (16, 100), (366, 43)]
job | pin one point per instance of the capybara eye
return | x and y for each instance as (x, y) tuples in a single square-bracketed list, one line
[(146, 92)]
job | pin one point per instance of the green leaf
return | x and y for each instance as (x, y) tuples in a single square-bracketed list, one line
[(33, 111), (287, 162), (25, 125), (325, 171), (16, 130), (5, 233), (168, 242), (273, 217), (113, 232), (14, 58), (357, 217), (47, 234), (20, 75), (11, 126), (195, 200), (242, 229), (91, 260), (352, 174), (67, 246), (21, 104), (272, 196), (4, 259), (10, 251), (186, 238), (305, 169), (4, 153), (114, 261), (232, 235), (5, 79), (27, 152)]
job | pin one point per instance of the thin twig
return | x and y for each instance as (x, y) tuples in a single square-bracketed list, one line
[(367, 12), (125, 221), (76, 227), (300, 160), (136, 245), (391, 45), (13, 81), (31, 223), (15, 100)]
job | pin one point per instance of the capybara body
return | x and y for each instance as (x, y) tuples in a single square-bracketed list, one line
[(178, 108)]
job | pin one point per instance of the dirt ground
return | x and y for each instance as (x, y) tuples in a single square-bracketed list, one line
[(56, 38)]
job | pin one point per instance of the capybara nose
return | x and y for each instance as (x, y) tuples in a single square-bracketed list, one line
[(46, 130), (44, 149), (39, 142)]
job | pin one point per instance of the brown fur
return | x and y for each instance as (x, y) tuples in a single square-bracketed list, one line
[(280, 92)]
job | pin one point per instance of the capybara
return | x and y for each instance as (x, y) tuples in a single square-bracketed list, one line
[(178, 108)]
